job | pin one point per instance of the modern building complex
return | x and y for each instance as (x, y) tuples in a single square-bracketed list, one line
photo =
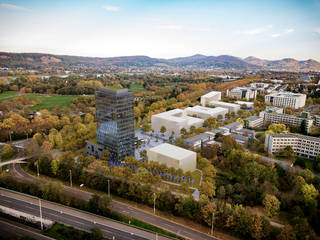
[(174, 121), (173, 156), (211, 96), (206, 112), (253, 122), (302, 145), (230, 106), (316, 120), (245, 104), (114, 112), (289, 120), (286, 99), (242, 93)]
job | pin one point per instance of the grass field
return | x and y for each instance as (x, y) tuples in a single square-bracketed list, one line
[(50, 102), (7, 95), (134, 87)]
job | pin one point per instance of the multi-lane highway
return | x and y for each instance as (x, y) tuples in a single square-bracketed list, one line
[(184, 231), (73, 217)]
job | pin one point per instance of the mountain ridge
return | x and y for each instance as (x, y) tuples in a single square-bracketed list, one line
[(37, 60)]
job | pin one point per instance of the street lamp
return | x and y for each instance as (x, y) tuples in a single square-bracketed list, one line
[(109, 188), (212, 223), (70, 178), (38, 167), (41, 224), (154, 203)]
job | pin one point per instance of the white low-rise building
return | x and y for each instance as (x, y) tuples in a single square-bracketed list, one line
[(286, 99), (245, 104), (174, 121), (302, 145), (214, 95), (206, 112), (173, 156), (230, 106)]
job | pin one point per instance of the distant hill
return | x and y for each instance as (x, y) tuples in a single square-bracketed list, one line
[(39, 60), (289, 64)]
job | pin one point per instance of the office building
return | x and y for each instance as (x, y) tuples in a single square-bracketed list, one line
[(289, 120), (206, 112), (198, 140), (242, 93), (211, 96), (302, 145), (253, 122), (174, 120), (316, 120), (114, 112), (286, 99), (173, 156)]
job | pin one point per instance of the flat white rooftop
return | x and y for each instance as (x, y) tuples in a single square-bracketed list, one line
[(207, 110), (172, 151), (224, 104), (243, 102), (210, 94), (286, 94)]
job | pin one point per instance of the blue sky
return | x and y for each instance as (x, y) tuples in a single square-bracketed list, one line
[(104, 28)]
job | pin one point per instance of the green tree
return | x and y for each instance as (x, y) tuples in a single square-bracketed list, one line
[(289, 153), (309, 195), (54, 166), (7, 152), (96, 234), (271, 205), (286, 233), (105, 155), (183, 131), (207, 188), (146, 127), (163, 129)]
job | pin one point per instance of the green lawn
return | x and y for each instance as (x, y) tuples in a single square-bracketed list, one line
[(134, 87), (7, 95), (50, 102)]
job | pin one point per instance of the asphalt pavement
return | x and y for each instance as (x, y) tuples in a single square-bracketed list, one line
[(74, 218), (179, 229)]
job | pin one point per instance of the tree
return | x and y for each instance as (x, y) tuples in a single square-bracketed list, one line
[(309, 195), (207, 188), (183, 131), (54, 166), (105, 155), (192, 129), (307, 175), (163, 129), (146, 127), (271, 205), (286, 233), (276, 128), (7, 152), (88, 118), (103, 204), (210, 123), (228, 144), (96, 234), (206, 212), (240, 121), (220, 117), (289, 153)]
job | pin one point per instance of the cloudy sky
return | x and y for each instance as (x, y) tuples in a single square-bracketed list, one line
[(270, 29)]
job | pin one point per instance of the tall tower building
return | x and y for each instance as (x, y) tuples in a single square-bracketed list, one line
[(114, 112)]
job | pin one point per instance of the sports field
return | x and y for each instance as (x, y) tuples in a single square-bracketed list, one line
[(50, 102), (134, 87), (7, 95)]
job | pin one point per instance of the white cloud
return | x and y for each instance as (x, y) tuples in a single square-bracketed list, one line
[(276, 35), (11, 6), (111, 8), (256, 31), (170, 27), (290, 30)]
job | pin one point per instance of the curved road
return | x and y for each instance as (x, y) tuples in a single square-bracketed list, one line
[(142, 215)]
